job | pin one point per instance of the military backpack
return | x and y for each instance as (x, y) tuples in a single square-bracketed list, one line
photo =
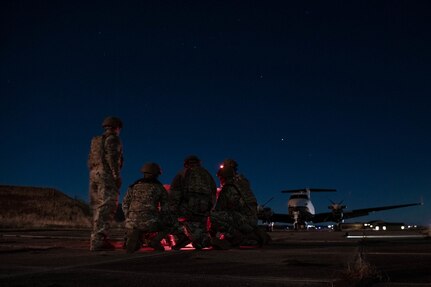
[(97, 151)]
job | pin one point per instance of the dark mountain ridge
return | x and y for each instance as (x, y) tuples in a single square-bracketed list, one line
[(39, 207)]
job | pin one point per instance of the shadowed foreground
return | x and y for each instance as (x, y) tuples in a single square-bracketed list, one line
[(61, 258)]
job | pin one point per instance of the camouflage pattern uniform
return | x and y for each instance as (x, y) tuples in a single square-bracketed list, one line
[(145, 205), (242, 183), (192, 196), (230, 214), (237, 222), (146, 210), (104, 162)]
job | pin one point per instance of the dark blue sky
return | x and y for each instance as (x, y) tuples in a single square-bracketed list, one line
[(331, 94)]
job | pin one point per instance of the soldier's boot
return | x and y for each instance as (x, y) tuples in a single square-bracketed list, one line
[(236, 239), (263, 237), (203, 242), (133, 241), (155, 242), (100, 243), (251, 239), (220, 244), (125, 241), (102, 246), (182, 241)]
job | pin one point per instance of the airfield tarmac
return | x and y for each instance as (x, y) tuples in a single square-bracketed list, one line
[(306, 258)]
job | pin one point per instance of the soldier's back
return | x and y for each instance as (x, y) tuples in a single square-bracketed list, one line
[(199, 189), (245, 188), (198, 180), (96, 154)]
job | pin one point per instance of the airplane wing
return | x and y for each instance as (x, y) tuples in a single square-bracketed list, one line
[(366, 211), (279, 217), (269, 216), (330, 216), (324, 217)]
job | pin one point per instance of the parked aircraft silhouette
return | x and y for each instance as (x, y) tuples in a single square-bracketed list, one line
[(301, 210)]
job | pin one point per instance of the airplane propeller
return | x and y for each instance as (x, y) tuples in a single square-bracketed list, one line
[(265, 213), (337, 206), (337, 212), (268, 201)]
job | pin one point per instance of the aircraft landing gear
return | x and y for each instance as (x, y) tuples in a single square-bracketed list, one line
[(296, 225)]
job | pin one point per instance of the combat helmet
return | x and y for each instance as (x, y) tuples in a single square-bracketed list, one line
[(226, 172), (151, 168), (191, 160), (230, 162), (112, 122)]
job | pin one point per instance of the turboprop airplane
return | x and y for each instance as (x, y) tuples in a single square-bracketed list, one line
[(301, 210)]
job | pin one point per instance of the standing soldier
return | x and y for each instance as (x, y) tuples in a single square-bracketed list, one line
[(105, 162), (192, 196), (146, 210)]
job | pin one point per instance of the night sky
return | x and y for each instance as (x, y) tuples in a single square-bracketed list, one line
[(323, 94)]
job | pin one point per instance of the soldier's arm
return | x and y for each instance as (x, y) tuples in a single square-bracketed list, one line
[(175, 192), (221, 201), (164, 200), (113, 155), (126, 201), (233, 200), (213, 191)]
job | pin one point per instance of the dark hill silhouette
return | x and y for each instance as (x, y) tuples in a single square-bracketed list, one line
[(36, 207)]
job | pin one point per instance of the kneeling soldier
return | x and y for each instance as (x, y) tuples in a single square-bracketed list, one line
[(145, 207)]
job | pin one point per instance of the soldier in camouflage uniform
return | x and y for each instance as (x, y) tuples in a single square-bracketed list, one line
[(146, 209), (192, 196), (105, 162), (228, 217), (244, 187), (252, 233)]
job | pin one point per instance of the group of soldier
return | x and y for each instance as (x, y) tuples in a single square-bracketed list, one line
[(192, 210)]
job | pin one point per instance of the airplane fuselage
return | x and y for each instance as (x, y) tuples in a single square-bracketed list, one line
[(300, 207)]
